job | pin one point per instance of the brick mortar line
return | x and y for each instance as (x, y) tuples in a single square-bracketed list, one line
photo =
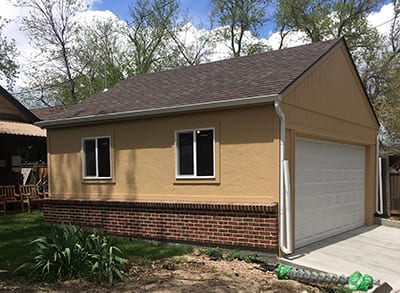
[(187, 206)]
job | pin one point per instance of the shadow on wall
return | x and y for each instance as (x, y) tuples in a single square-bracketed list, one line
[(149, 144)]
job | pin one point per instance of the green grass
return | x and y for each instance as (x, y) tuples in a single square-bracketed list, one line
[(146, 250), (17, 230)]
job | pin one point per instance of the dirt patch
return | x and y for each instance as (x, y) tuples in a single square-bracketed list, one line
[(191, 273)]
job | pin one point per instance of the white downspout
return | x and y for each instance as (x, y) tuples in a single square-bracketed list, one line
[(285, 206), (379, 193)]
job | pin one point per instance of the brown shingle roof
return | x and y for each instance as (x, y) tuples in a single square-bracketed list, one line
[(48, 113), (262, 74)]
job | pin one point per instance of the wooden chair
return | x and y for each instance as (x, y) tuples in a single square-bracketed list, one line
[(9, 196), (42, 187), (30, 196)]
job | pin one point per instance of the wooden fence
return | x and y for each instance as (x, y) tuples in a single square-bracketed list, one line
[(395, 193)]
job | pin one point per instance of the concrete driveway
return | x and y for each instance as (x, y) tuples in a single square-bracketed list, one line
[(373, 250)]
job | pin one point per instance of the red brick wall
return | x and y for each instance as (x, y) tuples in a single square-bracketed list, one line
[(243, 225)]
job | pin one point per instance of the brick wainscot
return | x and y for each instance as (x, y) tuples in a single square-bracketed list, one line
[(238, 225)]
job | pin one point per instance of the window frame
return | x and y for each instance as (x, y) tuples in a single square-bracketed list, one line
[(96, 177), (177, 157)]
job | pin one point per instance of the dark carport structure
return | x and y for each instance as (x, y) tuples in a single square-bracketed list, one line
[(22, 144)]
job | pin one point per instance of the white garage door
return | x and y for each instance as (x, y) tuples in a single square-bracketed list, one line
[(329, 189)]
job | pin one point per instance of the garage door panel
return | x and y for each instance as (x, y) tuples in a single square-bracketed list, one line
[(329, 189)]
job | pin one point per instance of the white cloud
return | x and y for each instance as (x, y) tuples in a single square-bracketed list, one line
[(220, 51), (381, 19), (291, 39), (12, 30), (89, 16), (24, 46)]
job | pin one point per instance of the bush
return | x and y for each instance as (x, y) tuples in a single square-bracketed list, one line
[(70, 253), (214, 253)]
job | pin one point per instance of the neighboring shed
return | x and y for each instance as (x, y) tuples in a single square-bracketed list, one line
[(22, 142), (198, 154)]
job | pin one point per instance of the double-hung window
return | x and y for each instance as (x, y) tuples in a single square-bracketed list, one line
[(195, 153), (97, 157)]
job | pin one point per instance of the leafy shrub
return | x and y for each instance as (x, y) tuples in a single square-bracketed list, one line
[(214, 253), (217, 253), (237, 255), (70, 253), (105, 260)]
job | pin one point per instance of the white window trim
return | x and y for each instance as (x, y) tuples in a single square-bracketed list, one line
[(194, 176), (95, 138)]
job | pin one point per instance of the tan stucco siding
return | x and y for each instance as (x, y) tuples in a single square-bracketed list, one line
[(332, 89), (328, 103), (143, 165), (318, 125)]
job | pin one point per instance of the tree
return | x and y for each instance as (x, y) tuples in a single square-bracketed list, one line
[(8, 56), (320, 20), (189, 46), (51, 26), (101, 55), (239, 16), (151, 22), (386, 84)]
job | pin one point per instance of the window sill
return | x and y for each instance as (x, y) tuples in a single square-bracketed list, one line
[(197, 181), (98, 181)]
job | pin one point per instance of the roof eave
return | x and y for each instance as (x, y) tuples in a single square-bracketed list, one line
[(159, 111), (13, 101)]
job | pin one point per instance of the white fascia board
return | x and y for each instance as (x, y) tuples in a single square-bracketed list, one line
[(159, 111)]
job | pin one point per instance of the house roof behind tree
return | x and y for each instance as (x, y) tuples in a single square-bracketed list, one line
[(263, 74), (15, 119), (12, 110)]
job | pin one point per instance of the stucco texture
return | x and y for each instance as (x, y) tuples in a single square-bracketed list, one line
[(143, 159)]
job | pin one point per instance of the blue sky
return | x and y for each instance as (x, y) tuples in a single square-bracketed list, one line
[(198, 10)]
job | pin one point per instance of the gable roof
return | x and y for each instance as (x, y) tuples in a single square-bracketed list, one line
[(48, 113), (222, 82), (25, 113)]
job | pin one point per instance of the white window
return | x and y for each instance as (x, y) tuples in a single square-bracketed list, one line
[(96, 157), (195, 153)]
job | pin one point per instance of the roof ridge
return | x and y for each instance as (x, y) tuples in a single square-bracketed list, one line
[(263, 74), (334, 41)]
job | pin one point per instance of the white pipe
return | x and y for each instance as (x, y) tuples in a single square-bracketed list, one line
[(284, 193), (379, 193), (288, 210)]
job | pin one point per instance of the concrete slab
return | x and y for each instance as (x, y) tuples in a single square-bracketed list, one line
[(373, 250)]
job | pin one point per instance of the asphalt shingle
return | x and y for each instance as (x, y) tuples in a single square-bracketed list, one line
[(250, 76)]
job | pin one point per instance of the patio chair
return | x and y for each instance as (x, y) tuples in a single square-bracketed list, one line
[(30, 195), (9, 196), (42, 187)]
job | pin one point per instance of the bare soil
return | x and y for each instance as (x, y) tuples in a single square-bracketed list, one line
[(192, 273)]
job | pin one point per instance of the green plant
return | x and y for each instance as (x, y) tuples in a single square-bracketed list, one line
[(179, 260), (17, 229), (105, 259), (238, 255), (143, 250), (69, 253), (214, 253)]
